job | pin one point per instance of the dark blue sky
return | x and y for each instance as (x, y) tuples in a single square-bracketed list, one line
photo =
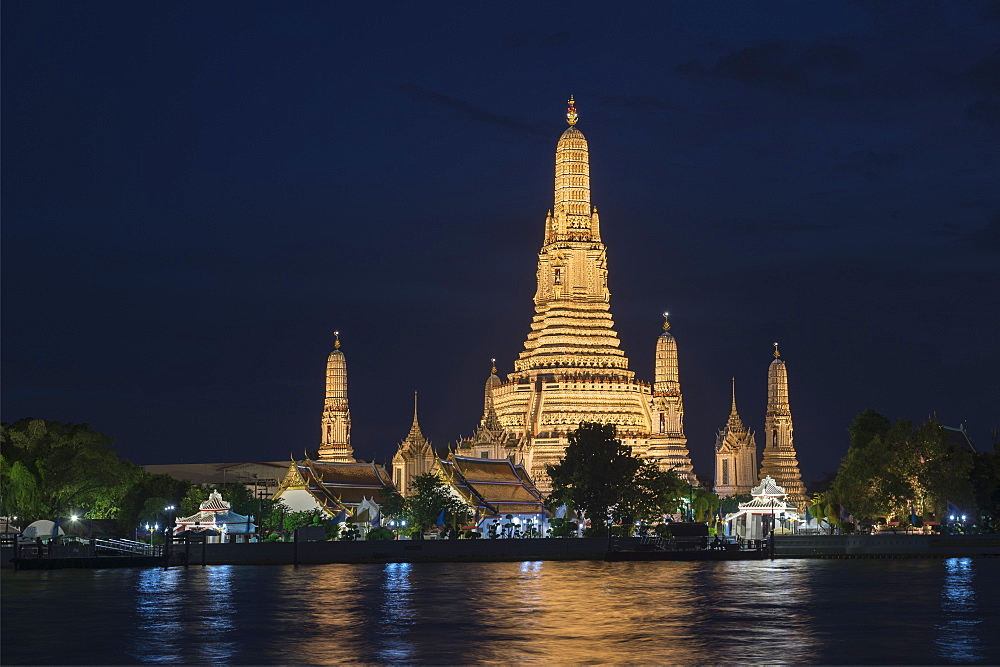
[(195, 198)]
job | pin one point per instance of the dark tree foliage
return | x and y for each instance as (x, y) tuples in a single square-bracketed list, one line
[(599, 475), (891, 468), (50, 469), (431, 494), (865, 427)]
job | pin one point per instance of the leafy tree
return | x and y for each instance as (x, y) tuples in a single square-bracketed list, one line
[(653, 494), (431, 495), (890, 468), (985, 478), (147, 497), (599, 475), (595, 473), (48, 469), (731, 504)]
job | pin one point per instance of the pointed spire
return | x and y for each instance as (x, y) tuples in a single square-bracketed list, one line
[(336, 342), (666, 321), (733, 411), (571, 115), (777, 353), (493, 369)]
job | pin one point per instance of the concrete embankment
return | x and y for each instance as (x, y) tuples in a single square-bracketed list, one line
[(424, 551), (885, 546)]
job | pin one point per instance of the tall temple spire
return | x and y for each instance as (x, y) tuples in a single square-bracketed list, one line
[(335, 443), (415, 455), (572, 368), (666, 377), (735, 455), (779, 461), (667, 443), (415, 432)]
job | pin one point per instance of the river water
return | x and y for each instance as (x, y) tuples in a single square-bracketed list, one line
[(781, 611)]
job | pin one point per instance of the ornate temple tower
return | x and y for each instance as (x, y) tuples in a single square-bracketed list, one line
[(572, 369), (415, 456), (335, 444), (779, 460), (735, 456), (489, 440), (667, 444)]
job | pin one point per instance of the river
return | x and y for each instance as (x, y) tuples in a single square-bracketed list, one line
[(782, 611)]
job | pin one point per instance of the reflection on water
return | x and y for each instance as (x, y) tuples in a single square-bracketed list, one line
[(792, 611), (959, 639)]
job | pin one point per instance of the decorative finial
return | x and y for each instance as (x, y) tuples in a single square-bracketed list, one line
[(493, 371), (776, 352), (336, 343), (571, 116), (734, 394), (666, 321)]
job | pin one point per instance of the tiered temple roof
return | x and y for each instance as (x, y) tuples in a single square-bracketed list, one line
[(494, 487), (336, 486)]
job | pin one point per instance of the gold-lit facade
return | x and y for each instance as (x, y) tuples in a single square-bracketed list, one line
[(780, 462), (335, 424), (572, 368)]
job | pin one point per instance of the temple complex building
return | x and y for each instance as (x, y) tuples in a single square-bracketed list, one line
[(766, 512), (335, 445), (415, 456), (572, 368), (779, 461), (735, 456)]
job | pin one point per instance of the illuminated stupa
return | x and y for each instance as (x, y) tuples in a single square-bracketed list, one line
[(779, 461), (572, 368), (335, 445)]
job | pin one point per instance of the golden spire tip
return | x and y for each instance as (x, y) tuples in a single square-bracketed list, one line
[(571, 115), (336, 343), (776, 352), (666, 321), (493, 362)]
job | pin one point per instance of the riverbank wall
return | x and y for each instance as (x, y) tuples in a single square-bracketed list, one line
[(887, 546), (459, 551)]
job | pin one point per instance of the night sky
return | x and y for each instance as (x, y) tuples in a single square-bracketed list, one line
[(194, 198)]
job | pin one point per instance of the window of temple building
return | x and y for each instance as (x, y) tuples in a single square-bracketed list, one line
[(725, 472), (663, 423), (558, 277)]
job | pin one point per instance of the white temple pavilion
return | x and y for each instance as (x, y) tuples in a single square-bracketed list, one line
[(767, 508), (216, 514)]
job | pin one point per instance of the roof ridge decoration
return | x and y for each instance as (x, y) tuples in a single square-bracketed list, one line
[(215, 503), (768, 487)]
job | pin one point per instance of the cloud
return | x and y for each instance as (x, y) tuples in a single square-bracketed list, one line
[(782, 66), (474, 113)]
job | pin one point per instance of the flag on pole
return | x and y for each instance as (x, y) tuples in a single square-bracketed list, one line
[(913, 516), (808, 515), (440, 521), (377, 521)]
